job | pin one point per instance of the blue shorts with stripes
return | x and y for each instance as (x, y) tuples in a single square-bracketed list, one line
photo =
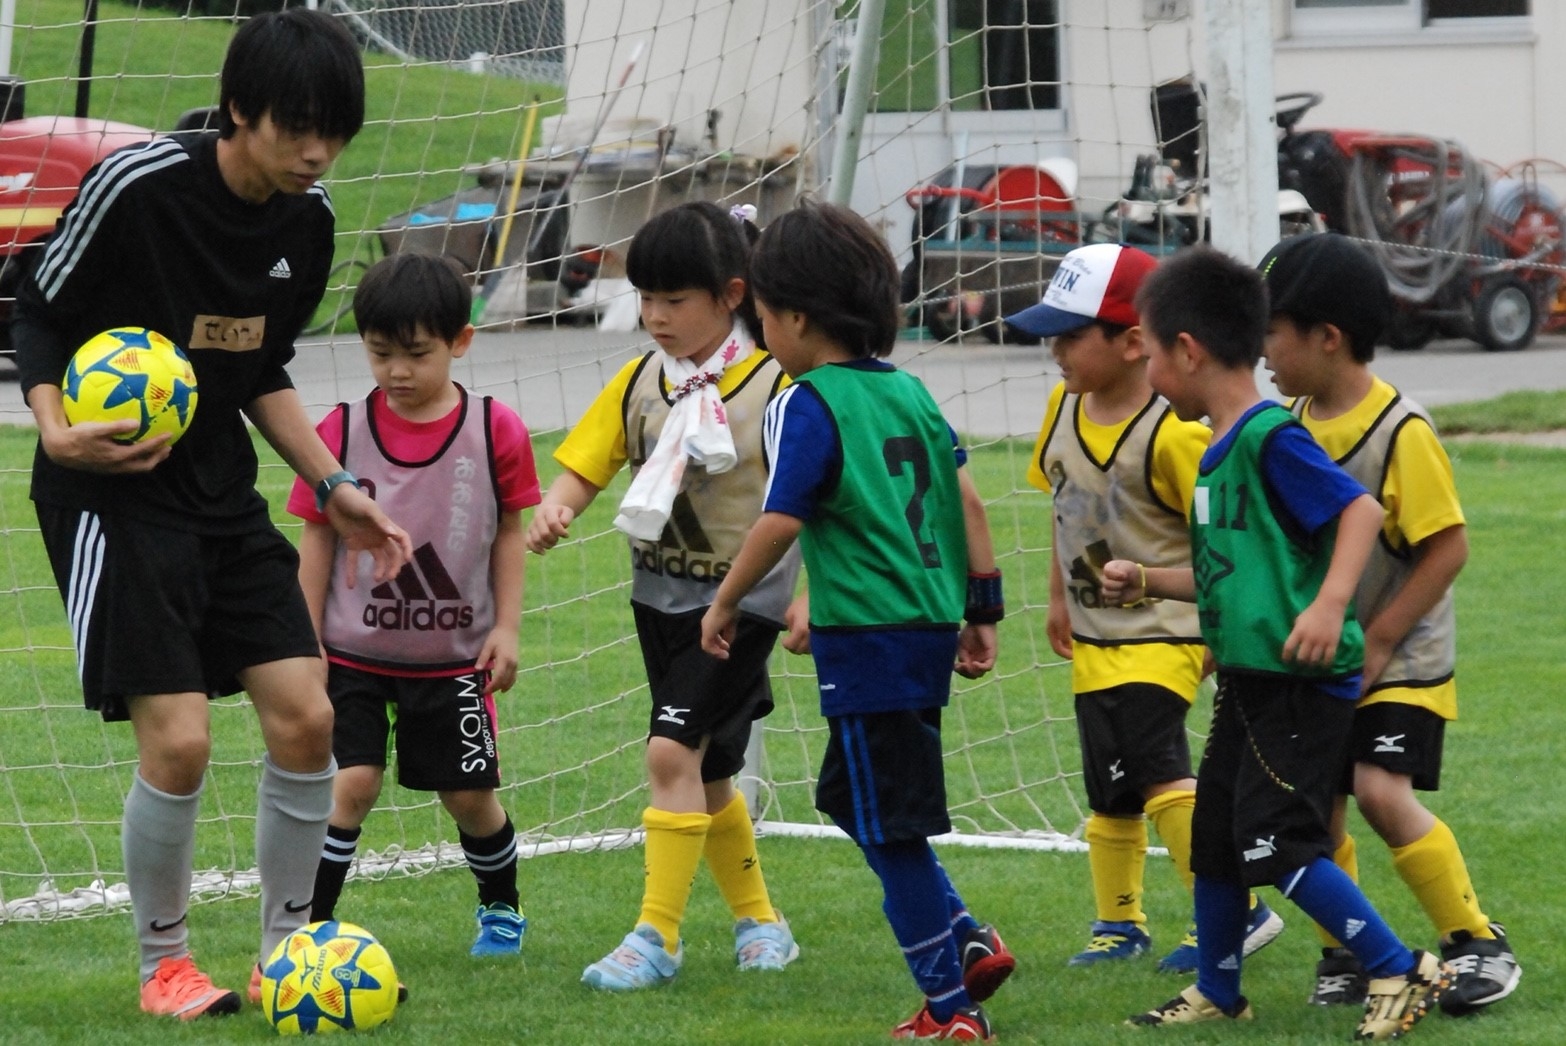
[(882, 777)]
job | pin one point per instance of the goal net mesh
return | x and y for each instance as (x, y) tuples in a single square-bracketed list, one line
[(529, 139)]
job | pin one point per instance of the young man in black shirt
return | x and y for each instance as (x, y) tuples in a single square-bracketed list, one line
[(177, 585)]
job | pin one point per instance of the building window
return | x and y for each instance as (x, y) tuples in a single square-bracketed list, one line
[(1379, 16), (989, 55), (1005, 54)]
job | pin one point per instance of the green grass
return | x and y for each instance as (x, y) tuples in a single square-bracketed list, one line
[(423, 123), (72, 980), (1528, 411)]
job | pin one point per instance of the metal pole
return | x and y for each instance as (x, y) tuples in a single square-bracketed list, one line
[(856, 99), (7, 32), (1241, 134), (84, 67)]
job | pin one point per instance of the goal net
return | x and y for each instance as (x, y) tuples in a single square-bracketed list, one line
[(529, 139)]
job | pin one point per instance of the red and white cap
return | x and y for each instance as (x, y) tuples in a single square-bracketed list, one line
[(1096, 282)]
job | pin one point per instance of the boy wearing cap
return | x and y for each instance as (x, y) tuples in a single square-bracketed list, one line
[(1120, 468), (1329, 305), (1279, 538)]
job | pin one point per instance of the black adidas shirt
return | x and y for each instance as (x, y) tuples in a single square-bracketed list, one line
[(156, 239)]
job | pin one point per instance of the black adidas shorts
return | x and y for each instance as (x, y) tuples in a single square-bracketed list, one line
[(1133, 736), (1400, 739), (695, 695), (882, 777), (445, 727), (1268, 778), (160, 611)]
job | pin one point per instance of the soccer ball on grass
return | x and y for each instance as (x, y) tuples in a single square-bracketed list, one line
[(135, 373), (328, 977)]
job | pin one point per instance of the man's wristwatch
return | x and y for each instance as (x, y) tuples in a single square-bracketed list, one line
[(323, 489)]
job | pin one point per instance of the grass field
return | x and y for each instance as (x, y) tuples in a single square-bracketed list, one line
[(1502, 798)]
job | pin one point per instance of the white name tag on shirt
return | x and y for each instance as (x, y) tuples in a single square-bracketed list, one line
[(1199, 506)]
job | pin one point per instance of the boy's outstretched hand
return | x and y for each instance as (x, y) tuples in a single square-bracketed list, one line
[(363, 527), (717, 630), (549, 524), (499, 659), (976, 649), (1120, 582)]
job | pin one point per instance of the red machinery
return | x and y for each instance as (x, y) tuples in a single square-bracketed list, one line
[(42, 161), (985, 239), (1467, 253)]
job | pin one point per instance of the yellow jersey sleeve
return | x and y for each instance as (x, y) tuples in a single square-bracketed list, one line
[(595, 447), (1036, 477), (1178, 447)]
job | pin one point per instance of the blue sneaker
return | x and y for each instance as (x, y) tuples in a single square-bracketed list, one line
[(1111, 941), (500, 930), (764, 946), (1183, 958), (639, 962), (1261, 929)]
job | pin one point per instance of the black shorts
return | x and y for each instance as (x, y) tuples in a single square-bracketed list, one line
[(1400, 739), (160, 611), (695, 695), (882, 777), (1133, 736), (1268, 779), (448, 722)]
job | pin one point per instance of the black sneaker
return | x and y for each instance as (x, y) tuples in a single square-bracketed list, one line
[(1191, 1007), (986, 962), (1486, 971), (1340, 979)]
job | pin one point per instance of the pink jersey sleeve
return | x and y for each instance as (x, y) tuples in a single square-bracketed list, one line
[(515, 471), (301, 499)]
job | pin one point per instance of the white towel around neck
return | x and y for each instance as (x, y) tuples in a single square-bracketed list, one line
[(696, 430)]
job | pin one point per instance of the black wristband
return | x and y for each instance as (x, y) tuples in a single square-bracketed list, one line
[(986, 605)]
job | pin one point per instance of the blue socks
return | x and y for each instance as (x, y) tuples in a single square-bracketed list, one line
[(1326, 894), (1222, 911), (918, 905)]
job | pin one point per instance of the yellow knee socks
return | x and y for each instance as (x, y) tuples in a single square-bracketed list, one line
[(671, 853), (1433, 867), (1117, 851), (1170, 813), (735, 865)]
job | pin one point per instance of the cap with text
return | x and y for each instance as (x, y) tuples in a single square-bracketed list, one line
[(1093, 283)]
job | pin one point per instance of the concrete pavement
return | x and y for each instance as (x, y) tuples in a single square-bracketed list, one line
[(988, 391)]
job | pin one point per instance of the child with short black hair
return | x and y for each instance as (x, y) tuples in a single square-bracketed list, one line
[(1329, 305), (1120, 467), (867, 475), (419, 659), (1279, 537), (687, 418)]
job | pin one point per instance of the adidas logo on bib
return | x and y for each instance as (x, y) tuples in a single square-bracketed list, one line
[(281, 271)]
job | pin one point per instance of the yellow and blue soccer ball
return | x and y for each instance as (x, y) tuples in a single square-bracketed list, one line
[(328, 977), (135, 373)]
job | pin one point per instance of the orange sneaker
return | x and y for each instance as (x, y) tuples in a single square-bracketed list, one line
[(968, 1025), (180, 990)]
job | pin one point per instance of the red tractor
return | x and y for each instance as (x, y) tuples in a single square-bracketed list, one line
[(42, 161)]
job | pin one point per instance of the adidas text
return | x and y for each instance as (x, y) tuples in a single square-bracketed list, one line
[(680, 565), (417, 617)]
